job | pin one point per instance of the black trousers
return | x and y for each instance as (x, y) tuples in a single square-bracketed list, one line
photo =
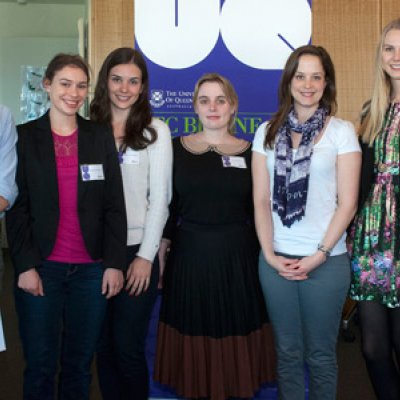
[(121, 361)]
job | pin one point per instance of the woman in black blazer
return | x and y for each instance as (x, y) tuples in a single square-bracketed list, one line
[(67, 235)]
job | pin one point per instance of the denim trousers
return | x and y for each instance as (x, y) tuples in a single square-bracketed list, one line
[(121, 362), (305, 317), (61, 330)]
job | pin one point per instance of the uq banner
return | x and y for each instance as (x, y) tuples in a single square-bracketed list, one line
[(248, 41)]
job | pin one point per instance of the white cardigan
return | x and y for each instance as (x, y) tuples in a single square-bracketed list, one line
[(147, 178)]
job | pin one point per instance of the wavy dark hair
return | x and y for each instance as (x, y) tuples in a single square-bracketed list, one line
[(328, 99), (140, 115)]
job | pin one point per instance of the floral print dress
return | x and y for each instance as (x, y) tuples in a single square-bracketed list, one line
[(374, 241)]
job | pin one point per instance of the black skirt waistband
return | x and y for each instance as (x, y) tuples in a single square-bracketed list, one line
[(194, 227)]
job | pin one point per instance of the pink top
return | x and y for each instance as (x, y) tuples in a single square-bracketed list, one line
[(69, 246)]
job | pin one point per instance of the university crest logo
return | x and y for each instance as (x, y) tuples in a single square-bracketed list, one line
[(157, 98)]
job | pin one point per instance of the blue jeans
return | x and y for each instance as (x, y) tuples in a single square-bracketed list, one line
[(121, 361), (305, 317), (61, 328)]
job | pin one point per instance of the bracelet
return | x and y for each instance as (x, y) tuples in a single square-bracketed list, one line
[(326, 250)]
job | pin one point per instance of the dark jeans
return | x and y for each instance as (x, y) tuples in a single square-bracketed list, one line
[(121, 361), (61, 328)]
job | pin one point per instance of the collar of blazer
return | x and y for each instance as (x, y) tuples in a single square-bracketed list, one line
[(44, 122)]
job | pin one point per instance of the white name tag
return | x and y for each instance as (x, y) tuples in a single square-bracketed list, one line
[(233, 162), (131, 157), (92, 172)]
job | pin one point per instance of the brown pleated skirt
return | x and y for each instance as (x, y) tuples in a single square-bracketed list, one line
[(214, 339)]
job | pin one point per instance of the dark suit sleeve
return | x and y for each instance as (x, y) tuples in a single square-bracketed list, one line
[(367, 164), (115, 223), (367, 173), (24, 253)]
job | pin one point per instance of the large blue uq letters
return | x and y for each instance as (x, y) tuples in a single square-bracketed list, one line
[(246, 40)]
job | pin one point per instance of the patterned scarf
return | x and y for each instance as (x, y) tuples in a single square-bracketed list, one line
[(291, 174)]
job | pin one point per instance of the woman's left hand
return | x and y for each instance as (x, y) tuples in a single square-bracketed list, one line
[(113, 280), (307, 264), (138, 276)]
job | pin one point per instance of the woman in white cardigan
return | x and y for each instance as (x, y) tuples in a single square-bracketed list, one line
[(144, 144)]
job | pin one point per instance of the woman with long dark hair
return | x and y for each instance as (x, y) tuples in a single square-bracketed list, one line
[(145, 154), (305, 175)]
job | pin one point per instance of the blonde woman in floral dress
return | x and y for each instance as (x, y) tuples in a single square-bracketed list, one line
[(375, 234)]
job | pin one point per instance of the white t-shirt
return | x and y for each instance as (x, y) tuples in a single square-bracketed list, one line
[(303, 236)]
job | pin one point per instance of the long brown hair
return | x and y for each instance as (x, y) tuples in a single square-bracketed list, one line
[(140, 115), (328, 99), (373, 112)]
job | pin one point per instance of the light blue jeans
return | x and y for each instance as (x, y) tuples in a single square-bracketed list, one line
[(305, 317)]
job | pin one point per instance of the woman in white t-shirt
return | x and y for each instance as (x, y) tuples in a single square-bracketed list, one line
[(305, 171), (145, 153)]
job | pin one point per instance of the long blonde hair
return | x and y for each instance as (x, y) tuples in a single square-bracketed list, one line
[(373, 113)]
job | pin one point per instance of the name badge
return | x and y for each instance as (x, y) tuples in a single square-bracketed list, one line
[(130, 157), (92, 172), (233, 162)]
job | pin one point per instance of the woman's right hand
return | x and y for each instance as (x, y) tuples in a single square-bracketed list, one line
[(286, 267), (30, 282)]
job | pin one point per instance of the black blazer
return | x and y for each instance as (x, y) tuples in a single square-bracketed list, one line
[(33, 220)]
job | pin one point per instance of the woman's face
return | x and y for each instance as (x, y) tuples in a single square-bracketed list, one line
[(391, 54), (308, 83), (212, 107), (124, 86), (68, 90)]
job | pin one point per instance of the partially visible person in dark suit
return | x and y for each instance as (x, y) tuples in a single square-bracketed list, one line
[(67, 235)]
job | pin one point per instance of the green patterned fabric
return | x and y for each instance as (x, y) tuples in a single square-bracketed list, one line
[(374, 240)]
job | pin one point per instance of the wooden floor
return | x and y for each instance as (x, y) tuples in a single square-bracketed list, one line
[(353, 381)]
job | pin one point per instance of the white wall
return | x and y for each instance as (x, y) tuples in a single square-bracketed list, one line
[(31, 35)]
